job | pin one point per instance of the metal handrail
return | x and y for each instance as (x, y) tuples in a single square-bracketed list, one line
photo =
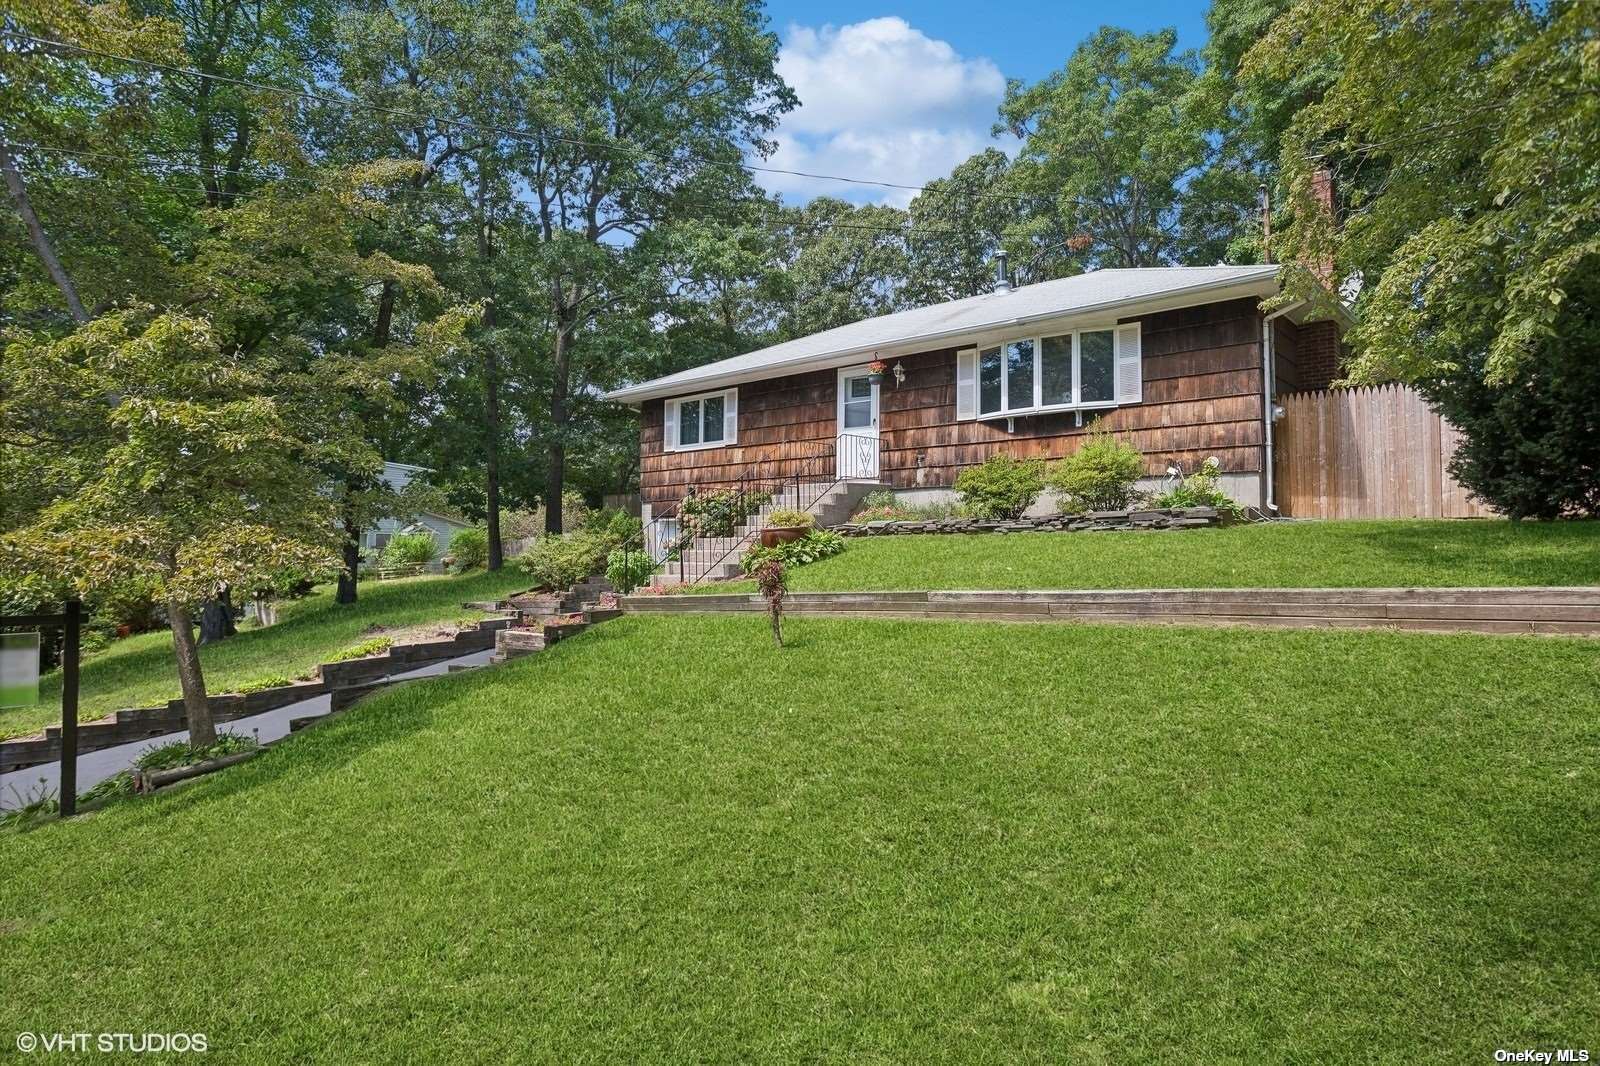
[(755, 494)]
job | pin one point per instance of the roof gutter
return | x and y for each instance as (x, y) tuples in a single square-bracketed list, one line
[(651, 390), (1268, 388)]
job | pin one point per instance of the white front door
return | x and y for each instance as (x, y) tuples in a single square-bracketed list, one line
[(857, 440)]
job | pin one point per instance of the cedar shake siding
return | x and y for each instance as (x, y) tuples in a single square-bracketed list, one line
[(1201, 398)]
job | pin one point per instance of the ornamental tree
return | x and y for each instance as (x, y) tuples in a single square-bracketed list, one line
[(188, 472)]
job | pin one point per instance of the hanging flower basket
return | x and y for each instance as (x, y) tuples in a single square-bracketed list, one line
[(875, 371)]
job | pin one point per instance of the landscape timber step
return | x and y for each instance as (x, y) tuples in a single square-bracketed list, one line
[(1568, 611)]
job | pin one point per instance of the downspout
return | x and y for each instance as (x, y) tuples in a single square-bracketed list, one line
[(1268, 387)]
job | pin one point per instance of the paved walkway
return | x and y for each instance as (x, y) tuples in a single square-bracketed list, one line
[(19, 787)]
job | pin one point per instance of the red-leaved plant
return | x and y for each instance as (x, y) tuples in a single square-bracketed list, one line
[(773, 583)]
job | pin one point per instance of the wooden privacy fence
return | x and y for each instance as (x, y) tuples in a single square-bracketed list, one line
[(1378, 452)]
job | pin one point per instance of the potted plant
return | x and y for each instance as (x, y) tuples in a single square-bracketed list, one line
[(875, 371), (783, 525)]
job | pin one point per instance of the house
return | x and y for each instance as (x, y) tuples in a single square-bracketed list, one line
[(442, 526), (1181, 361)]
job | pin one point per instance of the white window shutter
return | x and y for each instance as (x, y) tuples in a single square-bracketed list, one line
[(669, 426), (967, 383), (1130, 365), (730, 416)]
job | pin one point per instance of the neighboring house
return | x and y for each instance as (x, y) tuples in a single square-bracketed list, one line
[(1181, 361), (442, 526)]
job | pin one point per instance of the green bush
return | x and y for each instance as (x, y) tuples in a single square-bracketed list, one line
[(715, 514), (1001, 487), (561, 560), (409, 549), (818, 544), (789, 518), (261, 684), (620, 526), (469, 550), (628, 570), (179, 753), (1200, 489), (883, 505), (1099, 476), (375, 646)]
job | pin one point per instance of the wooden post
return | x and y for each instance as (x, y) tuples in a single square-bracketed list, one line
[(69, 710)]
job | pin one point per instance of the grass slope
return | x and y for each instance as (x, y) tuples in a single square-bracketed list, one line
[(140, 671), (1275, 555), (665, 840)]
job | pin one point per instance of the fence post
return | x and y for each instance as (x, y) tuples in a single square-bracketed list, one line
[(69, 710)]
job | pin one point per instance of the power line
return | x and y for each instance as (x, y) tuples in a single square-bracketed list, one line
[(909, 232), (465, 124)]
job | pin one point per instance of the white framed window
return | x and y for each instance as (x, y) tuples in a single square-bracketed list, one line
[(710, 420), (1083, 369)]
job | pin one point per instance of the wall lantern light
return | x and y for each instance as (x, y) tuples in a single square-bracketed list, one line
[(899, 374)]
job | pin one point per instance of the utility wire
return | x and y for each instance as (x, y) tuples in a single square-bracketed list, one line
[(813, 226)]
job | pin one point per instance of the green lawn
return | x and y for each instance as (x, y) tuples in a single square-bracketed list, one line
[(665, 840), (1275, 555), (139, 671)]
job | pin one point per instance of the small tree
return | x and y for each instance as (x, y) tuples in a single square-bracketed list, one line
[(184, 471), (773, 583)]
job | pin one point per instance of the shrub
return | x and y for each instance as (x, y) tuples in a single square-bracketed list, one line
[(789, 518), (818, 544), (620, 526), (884, 506), (260, 684), (561, 560), (469, 550), (715, 514), (375, 646), (1099, 476), (409, 549), (179, 753), (1531, 446), (1200, 489), (1001, 487), (773, 582), (628, 570)]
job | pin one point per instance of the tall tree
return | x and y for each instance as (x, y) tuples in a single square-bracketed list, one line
[(1113, 141), (1479, 122), (635, 108), (844, 263)]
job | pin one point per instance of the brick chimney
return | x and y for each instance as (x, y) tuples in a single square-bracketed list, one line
[(1322, 196)]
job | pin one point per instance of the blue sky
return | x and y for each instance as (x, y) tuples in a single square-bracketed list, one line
[(902, 92)]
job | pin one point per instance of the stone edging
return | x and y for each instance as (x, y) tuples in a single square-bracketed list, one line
[(1572, 611), (1146, 518), (143, 723)]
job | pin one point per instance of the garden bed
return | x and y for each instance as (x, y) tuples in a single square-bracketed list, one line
[(1144, 518)]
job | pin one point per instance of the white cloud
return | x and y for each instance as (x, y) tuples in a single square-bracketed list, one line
[(878, 99)]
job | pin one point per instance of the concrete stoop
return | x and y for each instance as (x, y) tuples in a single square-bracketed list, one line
[(717, 558)]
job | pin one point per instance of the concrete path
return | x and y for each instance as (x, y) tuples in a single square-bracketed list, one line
[(20, 787)]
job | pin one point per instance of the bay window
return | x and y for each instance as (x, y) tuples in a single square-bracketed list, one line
[(1086, 368)]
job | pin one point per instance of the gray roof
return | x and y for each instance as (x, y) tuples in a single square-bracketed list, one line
[(947, 323)]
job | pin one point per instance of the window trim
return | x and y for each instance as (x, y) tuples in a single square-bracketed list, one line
[(1038, 407), (670, 409)]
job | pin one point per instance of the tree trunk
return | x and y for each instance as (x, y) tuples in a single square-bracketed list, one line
[(775, 612), (491, 384), (216, 617), (202, 731), (37, 236), (555, 479), (381, 328), (346, 592)]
